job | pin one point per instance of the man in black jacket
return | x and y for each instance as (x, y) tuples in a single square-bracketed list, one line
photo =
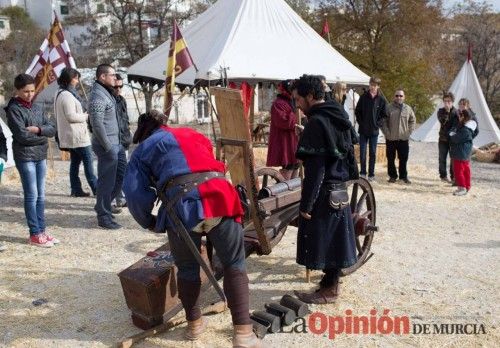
[(124, 128), (448, 118), (325, 239), (370, 111)]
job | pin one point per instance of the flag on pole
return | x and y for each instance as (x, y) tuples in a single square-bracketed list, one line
[(53, 56), (179, 60), (326, 28)]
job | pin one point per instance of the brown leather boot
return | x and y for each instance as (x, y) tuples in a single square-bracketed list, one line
[(320, 296), (195, 328), (244, 337)]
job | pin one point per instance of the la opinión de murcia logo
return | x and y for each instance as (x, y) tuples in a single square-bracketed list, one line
[(319, 324)]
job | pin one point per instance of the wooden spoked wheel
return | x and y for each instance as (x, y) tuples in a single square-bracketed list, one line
[(268, 176), (363, 209)]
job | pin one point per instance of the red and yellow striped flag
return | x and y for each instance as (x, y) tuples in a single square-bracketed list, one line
[(53, 56), (179, 60)]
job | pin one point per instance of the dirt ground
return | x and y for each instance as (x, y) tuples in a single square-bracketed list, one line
[(435, 261)]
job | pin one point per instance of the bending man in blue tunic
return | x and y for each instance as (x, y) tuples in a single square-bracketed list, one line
[(325, 239), (191, 183)]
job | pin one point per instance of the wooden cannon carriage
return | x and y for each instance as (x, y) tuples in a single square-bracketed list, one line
[(149, 285)]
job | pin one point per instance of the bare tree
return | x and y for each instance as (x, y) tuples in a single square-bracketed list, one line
[(19, 48), (476, 24), (388, 39), (126, 30)]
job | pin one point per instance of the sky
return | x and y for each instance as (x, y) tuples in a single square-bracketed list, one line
[(494, 3), (449, 3)]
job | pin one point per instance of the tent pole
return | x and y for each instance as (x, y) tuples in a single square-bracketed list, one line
[(212, 111), (135, 98)]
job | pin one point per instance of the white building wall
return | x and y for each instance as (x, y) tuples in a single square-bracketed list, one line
[(4, 27)]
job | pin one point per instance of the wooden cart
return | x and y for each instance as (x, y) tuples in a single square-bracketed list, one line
[(266, 224)]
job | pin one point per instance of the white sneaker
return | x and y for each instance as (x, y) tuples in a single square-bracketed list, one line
[(3, 247), (461, 191), (51, 239)]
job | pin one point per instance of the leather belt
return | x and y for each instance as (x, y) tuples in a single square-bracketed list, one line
[(191, 179), (335, 186)]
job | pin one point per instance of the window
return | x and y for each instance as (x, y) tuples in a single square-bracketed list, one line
[(2, 25), (64, 9), (100, 8)]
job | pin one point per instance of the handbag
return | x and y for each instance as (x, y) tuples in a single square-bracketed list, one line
[(338, 198)]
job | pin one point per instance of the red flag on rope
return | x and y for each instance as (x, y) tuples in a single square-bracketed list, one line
[(326, 28), (179, 60), (53, 56)]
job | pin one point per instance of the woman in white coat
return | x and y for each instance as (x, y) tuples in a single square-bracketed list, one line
[(73, 131)]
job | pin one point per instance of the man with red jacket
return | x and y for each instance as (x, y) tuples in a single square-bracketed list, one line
[(168, 163)]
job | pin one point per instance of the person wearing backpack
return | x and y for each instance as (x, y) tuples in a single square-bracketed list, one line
[(73, 132), (460, 151), (464, 104)]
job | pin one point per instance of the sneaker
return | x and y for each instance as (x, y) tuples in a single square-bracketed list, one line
[(115, 209), (445, 180), (3, 247), (40, 240), (391, 180), (461, 191), (80, 194), (371, 178), (406, 181), (51, 239)]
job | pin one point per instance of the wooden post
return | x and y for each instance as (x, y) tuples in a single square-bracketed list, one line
[(65, 155)]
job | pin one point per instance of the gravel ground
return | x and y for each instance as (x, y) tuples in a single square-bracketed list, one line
[(435, 261)]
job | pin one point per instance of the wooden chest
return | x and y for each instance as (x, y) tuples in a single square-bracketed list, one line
[(150, 287)]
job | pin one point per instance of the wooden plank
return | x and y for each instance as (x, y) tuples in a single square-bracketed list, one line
[(233, 125), (235, 128)]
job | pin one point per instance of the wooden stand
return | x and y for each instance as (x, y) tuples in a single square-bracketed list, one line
[(150, 287), (65, 156), (381, 155)]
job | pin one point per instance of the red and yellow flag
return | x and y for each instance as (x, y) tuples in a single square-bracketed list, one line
[(53, 56), (179, 60)]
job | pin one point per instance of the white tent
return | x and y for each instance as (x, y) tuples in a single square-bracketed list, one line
[(465, 85), (350, 103), (8, 135), (254, 40)]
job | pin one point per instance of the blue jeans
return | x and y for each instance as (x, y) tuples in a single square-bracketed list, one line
[(120, 197), (110, 171), (33, 180), (79, 155), (372, 140)]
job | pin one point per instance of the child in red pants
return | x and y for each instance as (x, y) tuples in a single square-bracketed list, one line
[(461, 149)]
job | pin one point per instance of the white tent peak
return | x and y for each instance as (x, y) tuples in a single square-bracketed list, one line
[(465, 85), (259, 40)]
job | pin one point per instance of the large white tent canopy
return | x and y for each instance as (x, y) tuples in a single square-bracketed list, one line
[(253, 40), (465, 85)]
